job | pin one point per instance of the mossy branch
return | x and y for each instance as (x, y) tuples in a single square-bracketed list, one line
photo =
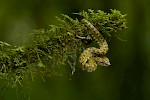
[(56, 46)]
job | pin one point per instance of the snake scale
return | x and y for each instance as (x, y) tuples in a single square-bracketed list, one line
[(92, 56)]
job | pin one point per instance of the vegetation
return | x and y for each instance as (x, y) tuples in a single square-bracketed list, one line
[(56, 46)]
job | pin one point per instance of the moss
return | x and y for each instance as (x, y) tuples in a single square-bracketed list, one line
[(52, 47)]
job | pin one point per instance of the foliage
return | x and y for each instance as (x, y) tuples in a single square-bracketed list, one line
[(56, 46)]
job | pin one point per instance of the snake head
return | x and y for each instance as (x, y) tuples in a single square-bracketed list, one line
[(103, 61)]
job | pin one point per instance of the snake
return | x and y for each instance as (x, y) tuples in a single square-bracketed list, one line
[(92, 56)]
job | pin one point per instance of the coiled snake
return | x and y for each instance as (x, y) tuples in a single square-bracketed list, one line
[(92, 56)]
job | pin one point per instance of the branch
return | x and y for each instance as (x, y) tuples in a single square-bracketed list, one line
[(57, 46)]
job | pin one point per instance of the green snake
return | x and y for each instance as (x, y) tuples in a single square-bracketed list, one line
[(92, 56)]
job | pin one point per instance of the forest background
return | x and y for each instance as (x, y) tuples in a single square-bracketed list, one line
[(128, 77)]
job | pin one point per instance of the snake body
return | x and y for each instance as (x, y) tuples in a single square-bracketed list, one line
[(92, 56)]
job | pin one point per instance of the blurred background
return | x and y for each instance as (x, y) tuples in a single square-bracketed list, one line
[(128, 77)]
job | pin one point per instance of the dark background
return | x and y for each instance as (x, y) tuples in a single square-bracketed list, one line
[(128, 77)]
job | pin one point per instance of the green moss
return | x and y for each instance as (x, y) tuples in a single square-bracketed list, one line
[(52, 47)]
